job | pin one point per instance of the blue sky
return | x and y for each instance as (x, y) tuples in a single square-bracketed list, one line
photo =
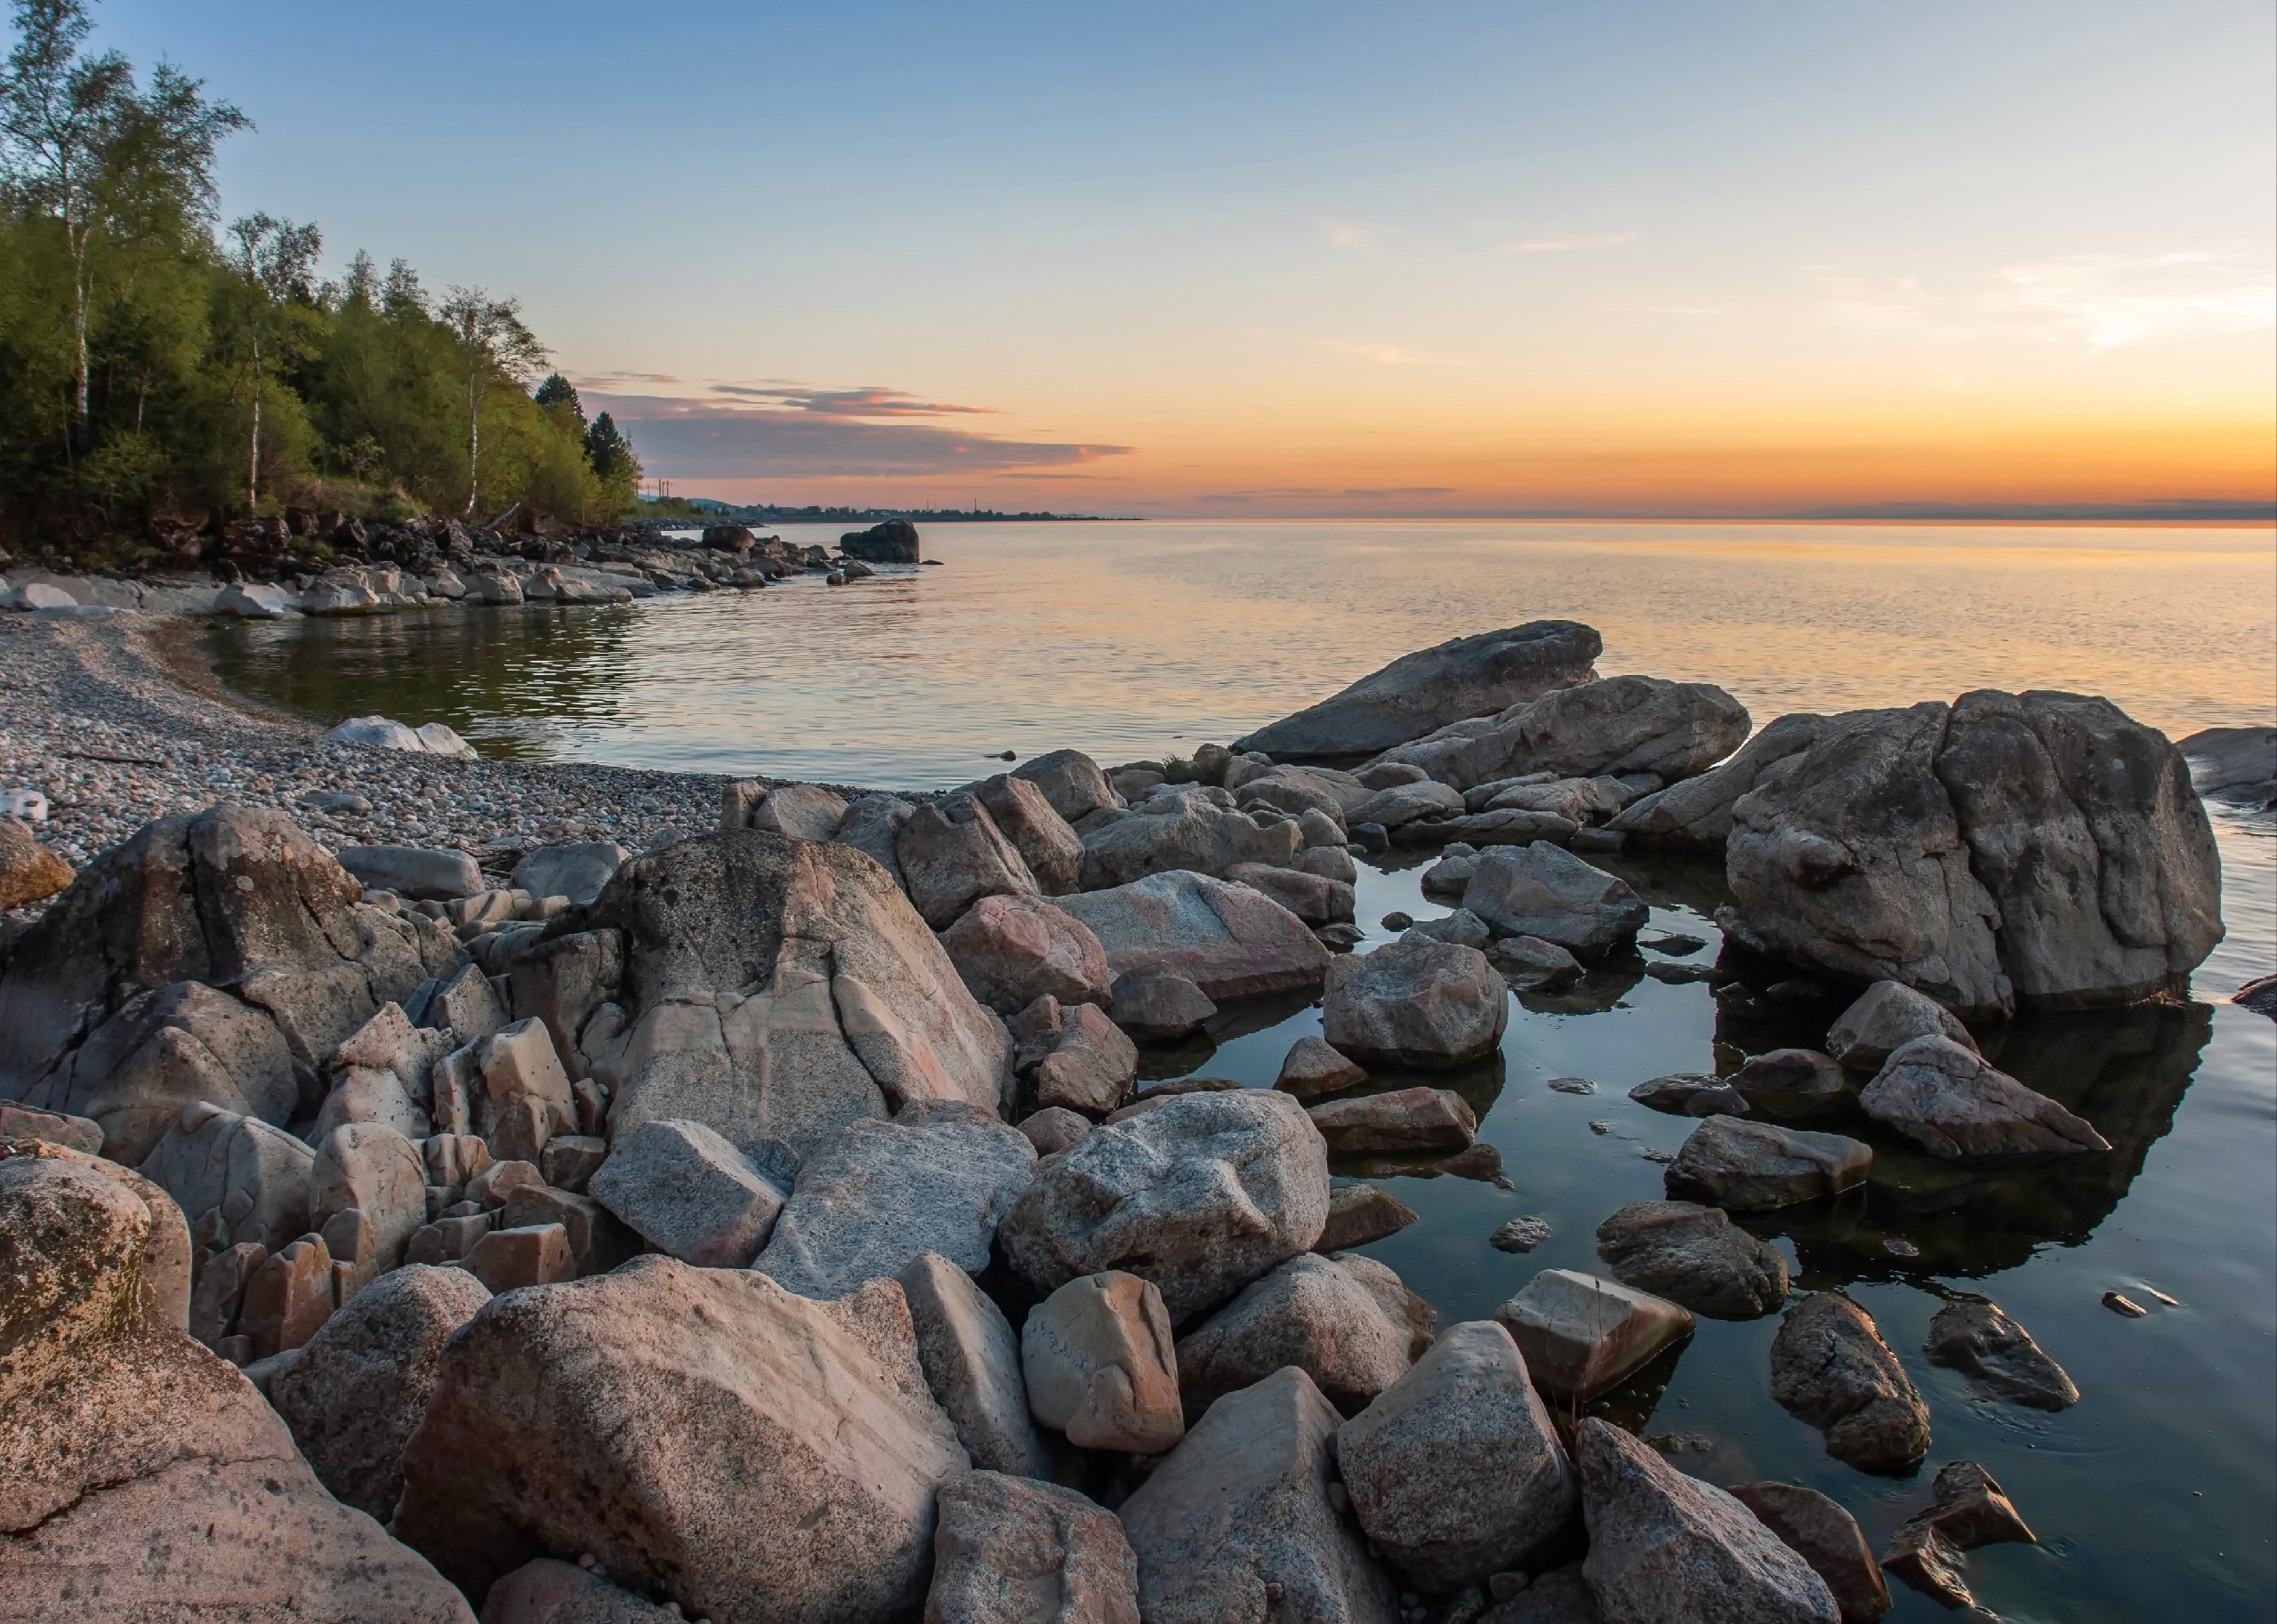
[(1182, 258)]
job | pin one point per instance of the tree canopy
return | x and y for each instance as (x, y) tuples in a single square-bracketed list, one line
[(153, 366)]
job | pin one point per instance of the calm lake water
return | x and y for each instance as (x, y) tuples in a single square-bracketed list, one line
[(2155, 1497)]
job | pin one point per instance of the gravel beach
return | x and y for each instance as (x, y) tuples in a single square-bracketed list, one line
[(120, 720)]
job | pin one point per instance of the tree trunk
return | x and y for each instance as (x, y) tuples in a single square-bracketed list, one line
[(473, 441), (252, 469)]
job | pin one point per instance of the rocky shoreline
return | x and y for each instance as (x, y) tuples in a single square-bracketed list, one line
[(577, 1195)]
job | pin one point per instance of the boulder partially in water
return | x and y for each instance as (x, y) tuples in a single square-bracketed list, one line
[(1953, 1103), (1830, 1367), (1614, 726)]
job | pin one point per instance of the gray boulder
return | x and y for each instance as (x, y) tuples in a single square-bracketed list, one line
[(1831, 1368), (1886, 1017), (952, 855), (419, 874), (937, 1178), (1415, 1002), (688, 1193), (1350, 1324), (777, 989), (1665, 1549), (577, 871), (1226, 939), (592, 1416), (1009, 1545), (1545, 891), (1200, 1194), (1619, 725), (1012, 950), (1696, 1256), (1400, 1121), (2234, 763), (872, 825), (1751, 1167), (971, 1359), (1072, 782), (1314, 899), (1454, 1469), (1403, 804), (1695, 814), (1241, 1512), (235, 1178), (1953, 1103), (1188, 828), (359, 1389), (1418, 693)]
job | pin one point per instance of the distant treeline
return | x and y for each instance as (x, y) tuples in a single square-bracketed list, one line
[(153, 369), (701, 510)]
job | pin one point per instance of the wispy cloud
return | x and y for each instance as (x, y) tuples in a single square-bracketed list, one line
[(1386, 354), (851, 404), (2101, 301), (1568, 242), (1349, 235), (1277, 492)]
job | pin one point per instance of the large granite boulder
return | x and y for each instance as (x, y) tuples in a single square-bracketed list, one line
[(1238, 1520), (1011, 1550), (1830, 1367), (1695, 814), (547, 1591), (1665, 1549), (1073, 1058), (2040, 848), (1188, 827), (778, 989), (1455, 1470), (938, 1177), (1227, 939), (1616, 726), (1545, 891), (952, 855), (237, 900), (971, 1359), (141, 1477), (1693, 1255), (1072, 782), (1013, 950), (593, 1416), (1024, 816), (1348, 1322), (892, 541), (235, 1177), (1415, 1002), (359, 1389), (1200, 1194), (1418, 693), (1954, 1103)]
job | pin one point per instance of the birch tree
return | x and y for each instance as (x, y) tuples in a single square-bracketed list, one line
[(493, 342), (277, 260)]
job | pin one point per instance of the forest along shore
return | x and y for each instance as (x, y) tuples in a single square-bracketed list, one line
[(484, 1214)]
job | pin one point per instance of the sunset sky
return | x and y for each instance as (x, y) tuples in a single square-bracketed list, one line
[(1265, 258)]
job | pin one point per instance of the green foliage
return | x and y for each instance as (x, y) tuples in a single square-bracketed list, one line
[(148, 369)]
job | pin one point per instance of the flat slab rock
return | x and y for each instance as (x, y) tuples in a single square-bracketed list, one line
[(1582, 1336), (1751, 1166), (1229, 940)]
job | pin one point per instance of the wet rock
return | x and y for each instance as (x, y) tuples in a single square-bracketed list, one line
[(1828, 1538), (1241, 1509), (1831, 1368), (1531, 965), (1454, 1470), (1008, 1544), (1200, 1194), (1751, 1167), (1671, 1549), (1953, 1103), (971, 1360), (1791, 1077), (235, 1177), (1152, 1007), (781, 989), (1012, 950), (133, 1459), (1546, 892), (1073, 1057), (1312, 1067), (1313, 899), (1695, 815), (1418, 693), (1229, 940), (30, 872), (359, 1388), (1696, 1256), (585, 1417), (1101, 1367), (1973, 1336), (1415, 1002), (1189, 829), (1691, 1094), (1582, 1336), (1520, 1234), (2233, 763), (1403, 1121), (952, 855), (1361, 1214), (1024, 814), (1072, 782), (937, 1178), (1347, 1322), (1886, 1017), (576, 870), (1970, 1510)]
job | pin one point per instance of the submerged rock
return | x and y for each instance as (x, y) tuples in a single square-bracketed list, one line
[(1750, 1167), (1312, 1066), (1830, 1367), (1973, 1336), (1970, 1510), (1403, 1121), (1953, 1103), (1361, 1214)]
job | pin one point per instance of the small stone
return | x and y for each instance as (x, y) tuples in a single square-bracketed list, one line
[(2122, 1304), (1572, 1085), (1520, 1234), (1397, 921), (1101, 1365)]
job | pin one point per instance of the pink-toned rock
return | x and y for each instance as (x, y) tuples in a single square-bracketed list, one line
[(1227, 939), (1101, 1367), (506, 1259), (288, 1298), (1012, 950), (1023, 812), (1405, 1120)]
